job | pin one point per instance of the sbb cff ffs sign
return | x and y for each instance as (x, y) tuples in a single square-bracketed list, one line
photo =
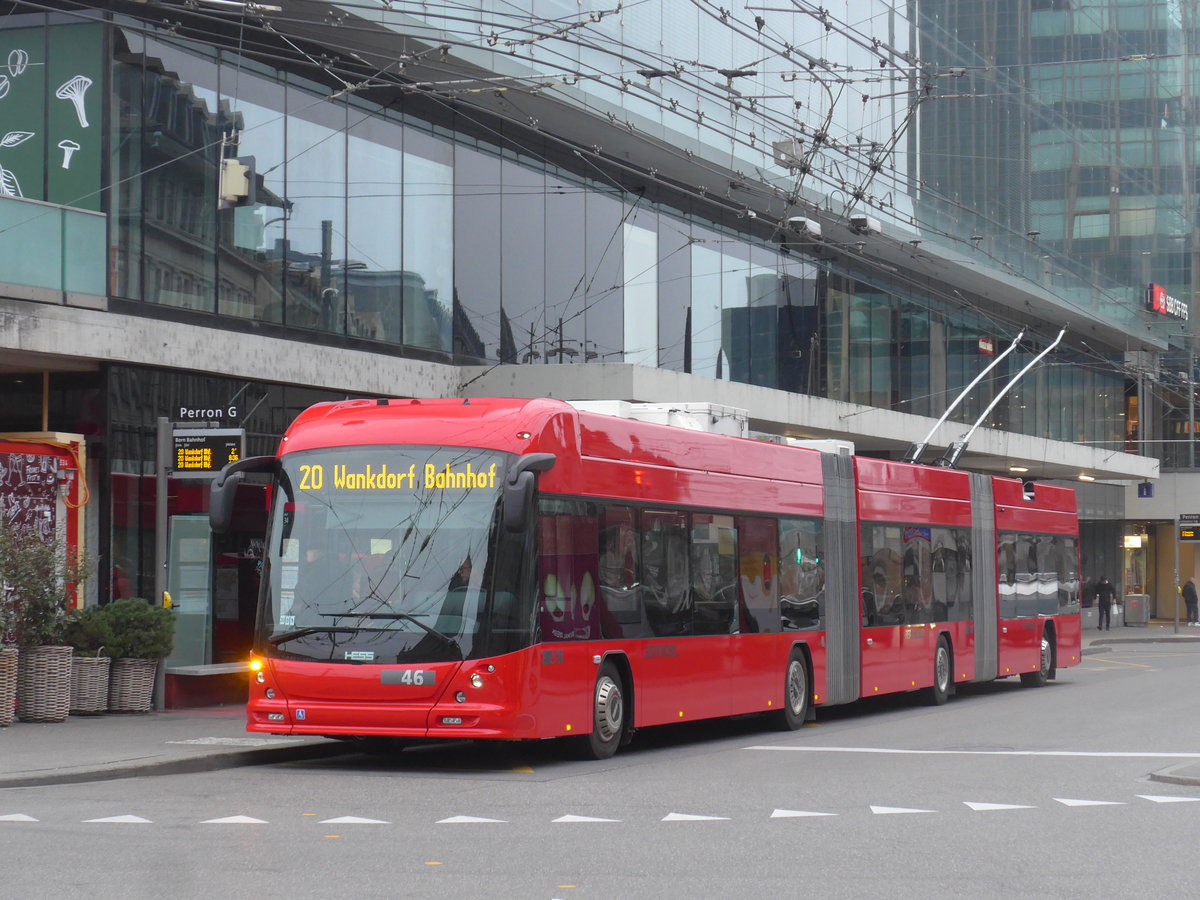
[(203, 452), (1159, 301)]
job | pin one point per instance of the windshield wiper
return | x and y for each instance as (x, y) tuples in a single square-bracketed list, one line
[(312, 629), (408, 617)]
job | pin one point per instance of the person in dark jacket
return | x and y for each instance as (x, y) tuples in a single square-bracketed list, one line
[(1105, 593), (1189, 597)]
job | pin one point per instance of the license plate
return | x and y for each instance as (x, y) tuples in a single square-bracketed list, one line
[(420, 677)]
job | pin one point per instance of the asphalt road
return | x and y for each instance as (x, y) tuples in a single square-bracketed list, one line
[(1004, 792)]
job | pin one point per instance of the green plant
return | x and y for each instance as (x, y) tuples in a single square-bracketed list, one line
[(89, 631), (39, 578), (139, 630)]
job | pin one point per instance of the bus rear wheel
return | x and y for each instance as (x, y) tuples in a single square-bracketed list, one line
[(608, 714), (939, 693), (795, 694), (1042, 675)]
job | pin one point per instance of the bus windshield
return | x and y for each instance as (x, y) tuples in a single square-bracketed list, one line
[(380, 554)]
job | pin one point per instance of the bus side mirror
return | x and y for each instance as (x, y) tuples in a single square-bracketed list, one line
[(223, 491), (519, 485)]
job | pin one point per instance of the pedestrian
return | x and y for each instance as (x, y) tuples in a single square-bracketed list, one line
[(1189, 597), (1105, 593)]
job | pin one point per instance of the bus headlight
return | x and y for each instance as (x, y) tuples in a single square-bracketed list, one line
[(460, 697), (477, 680)]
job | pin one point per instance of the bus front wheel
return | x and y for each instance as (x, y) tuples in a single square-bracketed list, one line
[(608, 713)]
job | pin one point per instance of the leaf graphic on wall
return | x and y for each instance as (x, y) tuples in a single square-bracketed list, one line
[(15, 137), (9, 186)]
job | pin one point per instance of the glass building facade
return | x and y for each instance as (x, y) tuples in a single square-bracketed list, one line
[(386, 221)]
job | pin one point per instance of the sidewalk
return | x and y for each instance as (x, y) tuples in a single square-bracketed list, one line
[(1159, 631), (99, 748)]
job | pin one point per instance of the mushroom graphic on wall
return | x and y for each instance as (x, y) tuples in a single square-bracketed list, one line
[(73, 90), (68, 147)]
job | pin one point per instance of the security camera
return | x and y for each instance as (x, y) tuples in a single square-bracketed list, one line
[(805, 226), (861, 224)]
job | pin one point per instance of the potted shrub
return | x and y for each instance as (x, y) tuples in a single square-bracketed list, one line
[(88, 633), (40, 578), (142, 636)]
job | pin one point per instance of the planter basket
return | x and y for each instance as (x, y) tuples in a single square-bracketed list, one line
[(8, 684), (89, 685), (131, 685), (44, 684)]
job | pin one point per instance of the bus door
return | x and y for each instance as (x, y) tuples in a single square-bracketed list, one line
[(918, 637), (689, 581), (1021, 603), (883, 614)]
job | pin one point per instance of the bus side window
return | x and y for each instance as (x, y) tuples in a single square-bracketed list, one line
[(665, 572), (621, 590), (714, 586)]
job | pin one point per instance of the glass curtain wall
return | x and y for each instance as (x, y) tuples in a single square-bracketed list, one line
[(377, 226)]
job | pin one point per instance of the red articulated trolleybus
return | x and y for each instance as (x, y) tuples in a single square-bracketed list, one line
[(524, 569)]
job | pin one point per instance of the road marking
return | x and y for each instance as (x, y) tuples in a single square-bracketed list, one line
[(17, 817), (353, 820), (569, 818), (1155, 798), (896, 810), (1119, 662), (685, 817), (121, 820), (234, 820), (1102, 754), (796, 813), (988, 807), (467, 820), (1066, 802)]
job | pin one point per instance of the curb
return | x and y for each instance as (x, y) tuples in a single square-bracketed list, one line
[(1175, 775), (206, 763), (1173, 639)]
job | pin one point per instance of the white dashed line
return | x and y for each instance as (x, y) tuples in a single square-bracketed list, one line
[(119, 820), (18, 818), (353, 820), (234, 820), (988, 807), (469, 820), (572, 819)]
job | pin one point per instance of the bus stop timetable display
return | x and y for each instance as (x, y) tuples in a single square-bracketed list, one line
[(203, 452)]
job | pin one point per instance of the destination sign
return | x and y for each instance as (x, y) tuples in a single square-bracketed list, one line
[(385, 478)]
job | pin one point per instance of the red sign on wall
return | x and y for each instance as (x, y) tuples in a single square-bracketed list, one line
[(1159, 301)]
